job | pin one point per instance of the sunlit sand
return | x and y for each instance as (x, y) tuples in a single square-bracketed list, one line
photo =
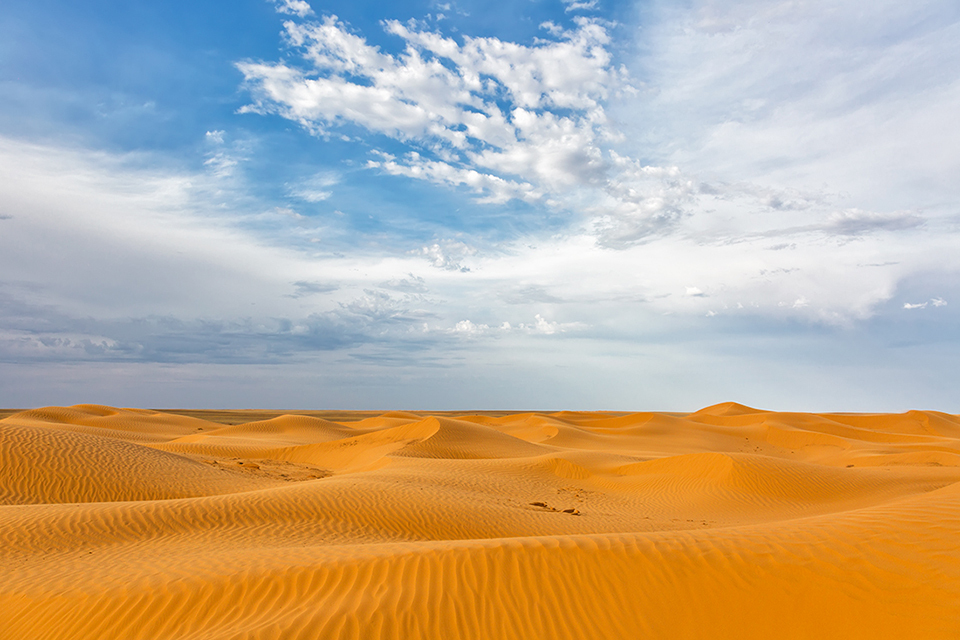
[(729, 522)]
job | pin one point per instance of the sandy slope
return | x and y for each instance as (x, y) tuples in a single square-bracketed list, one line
[(728, 522)]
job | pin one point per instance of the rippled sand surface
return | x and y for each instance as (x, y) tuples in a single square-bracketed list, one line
[(729, 522)]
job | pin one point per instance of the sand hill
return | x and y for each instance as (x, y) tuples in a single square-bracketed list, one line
[(730, 522)]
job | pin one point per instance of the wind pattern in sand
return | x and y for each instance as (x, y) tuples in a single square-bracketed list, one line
[(729, 522)]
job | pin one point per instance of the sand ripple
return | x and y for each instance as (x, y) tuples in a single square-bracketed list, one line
[(728, 522)]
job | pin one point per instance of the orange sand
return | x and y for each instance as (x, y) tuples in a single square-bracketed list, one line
[(726, 523)]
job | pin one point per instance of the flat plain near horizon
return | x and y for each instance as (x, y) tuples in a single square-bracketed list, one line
[(729, 522)]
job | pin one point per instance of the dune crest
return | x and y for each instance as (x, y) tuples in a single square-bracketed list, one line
[(727, 522)]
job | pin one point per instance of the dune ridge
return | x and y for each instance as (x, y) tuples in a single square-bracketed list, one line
[(726, 522)]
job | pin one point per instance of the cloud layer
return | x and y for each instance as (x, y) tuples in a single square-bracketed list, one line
[(530, 122), (501, 119), (706, 194)]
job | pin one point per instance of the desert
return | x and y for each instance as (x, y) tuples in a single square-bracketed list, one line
[(466, 320), (727, 522)]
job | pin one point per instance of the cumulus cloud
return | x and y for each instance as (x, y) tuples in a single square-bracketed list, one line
[(448, 254), (106, 267), (299, 8), (468, 328), (542, 325), (767, 165), (539, 326), (491, 188), (418, 95), (529, 122), (504, 120)]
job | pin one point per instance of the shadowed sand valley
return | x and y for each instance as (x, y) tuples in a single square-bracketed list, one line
[(730, 522)]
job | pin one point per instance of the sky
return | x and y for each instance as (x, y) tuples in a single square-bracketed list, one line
[(525, 205)]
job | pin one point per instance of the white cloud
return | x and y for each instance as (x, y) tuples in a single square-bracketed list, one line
[(539, 326), (776, 161), (316, 188), (299, 8), (222, 164), (935, 302), (752, 121), (153, 241), (222, 158), (823, 280), (504, 120), (447, 254), (838, 98), (466, 327), (491, 188), (312, 195), (551, 143), (179, 278), (580, 5), (544, 326)]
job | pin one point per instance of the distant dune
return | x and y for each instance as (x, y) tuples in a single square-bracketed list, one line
[(730, 522)]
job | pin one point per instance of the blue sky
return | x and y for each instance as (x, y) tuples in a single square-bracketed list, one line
[(442, 205)]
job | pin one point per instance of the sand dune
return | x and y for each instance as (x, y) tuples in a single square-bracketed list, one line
[(727, 522)]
